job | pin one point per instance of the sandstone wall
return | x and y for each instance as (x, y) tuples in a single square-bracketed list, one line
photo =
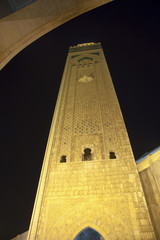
[(149, 170)]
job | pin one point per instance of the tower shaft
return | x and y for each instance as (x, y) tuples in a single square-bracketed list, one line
[(89, 177)]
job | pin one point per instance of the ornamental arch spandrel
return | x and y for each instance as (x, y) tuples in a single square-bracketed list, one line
[(35, 20), (104, 217)]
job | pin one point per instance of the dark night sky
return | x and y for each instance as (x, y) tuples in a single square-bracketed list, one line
[(130, 35)]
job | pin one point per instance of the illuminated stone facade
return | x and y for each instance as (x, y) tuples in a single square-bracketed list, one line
[(89, 176), (149, 171)]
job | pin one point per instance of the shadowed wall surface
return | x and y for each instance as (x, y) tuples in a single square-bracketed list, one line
[(149, 171), (21, 28), (5, 9), (22, 236)]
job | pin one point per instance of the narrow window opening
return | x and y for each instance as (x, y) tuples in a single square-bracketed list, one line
[(112, 155), (87, 154), (63, 159)]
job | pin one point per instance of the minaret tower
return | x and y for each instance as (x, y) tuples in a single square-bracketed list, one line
[(89, 179)]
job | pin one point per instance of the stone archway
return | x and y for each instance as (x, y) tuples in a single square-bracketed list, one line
[(35, 20), (110, 221), (89, 234)]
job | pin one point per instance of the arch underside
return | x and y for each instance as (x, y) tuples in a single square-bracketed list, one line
[(89, 234), (35, 20)]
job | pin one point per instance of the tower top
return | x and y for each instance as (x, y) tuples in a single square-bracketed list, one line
[(85, 46)]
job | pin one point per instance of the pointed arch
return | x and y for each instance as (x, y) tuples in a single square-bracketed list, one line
[(92, 226), (89, 233)]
